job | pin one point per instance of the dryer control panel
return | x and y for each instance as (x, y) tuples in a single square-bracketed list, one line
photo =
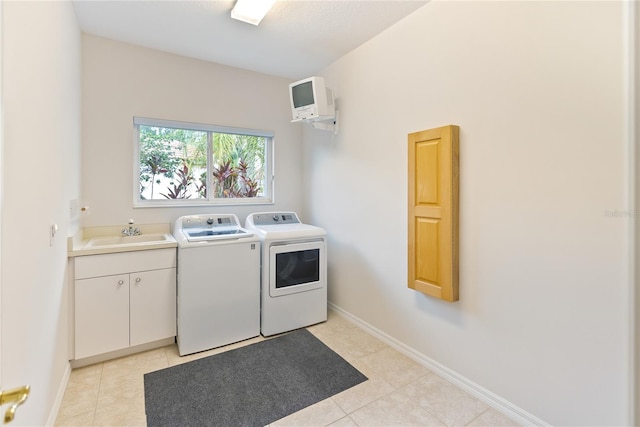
[(275, 218)]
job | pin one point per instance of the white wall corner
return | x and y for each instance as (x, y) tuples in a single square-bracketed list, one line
[(633, 129)]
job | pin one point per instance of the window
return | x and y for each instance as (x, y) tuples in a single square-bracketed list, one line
[(182, 164)]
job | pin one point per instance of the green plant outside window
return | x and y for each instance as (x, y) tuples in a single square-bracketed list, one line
[(186, 163)]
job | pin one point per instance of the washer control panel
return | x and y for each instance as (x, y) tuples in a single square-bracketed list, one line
[(275, 218), (209, 221)]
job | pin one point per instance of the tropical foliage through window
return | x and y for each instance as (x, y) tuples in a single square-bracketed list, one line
[(200, 165)]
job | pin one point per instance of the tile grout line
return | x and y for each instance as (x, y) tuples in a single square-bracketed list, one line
[(479, 415), (95, 406)]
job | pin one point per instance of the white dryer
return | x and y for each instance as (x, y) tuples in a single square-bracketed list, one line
[(294, 271), (218, 282)]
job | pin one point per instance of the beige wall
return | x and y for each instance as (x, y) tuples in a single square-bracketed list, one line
[(121, 81), (538, 91), (40, 175)]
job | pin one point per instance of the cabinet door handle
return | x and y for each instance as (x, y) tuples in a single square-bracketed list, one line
[(120, 282), (138, 280)]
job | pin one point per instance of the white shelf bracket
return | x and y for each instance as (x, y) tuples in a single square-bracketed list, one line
[(328, 125)]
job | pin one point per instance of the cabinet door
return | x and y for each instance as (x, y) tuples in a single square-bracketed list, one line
[(153, 305), (433, 212), (102, 315)]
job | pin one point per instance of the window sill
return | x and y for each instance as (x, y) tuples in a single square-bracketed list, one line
[(191, 203)]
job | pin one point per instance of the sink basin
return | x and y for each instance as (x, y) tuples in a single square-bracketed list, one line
[(124, 241)]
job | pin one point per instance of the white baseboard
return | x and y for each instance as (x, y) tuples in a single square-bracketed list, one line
[(78, 363), (498, 403), (57, 403)]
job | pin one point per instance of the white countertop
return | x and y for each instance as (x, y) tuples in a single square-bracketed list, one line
[(77, 245)]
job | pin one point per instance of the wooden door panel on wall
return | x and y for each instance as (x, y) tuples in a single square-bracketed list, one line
[(433, 212), (426, 233)]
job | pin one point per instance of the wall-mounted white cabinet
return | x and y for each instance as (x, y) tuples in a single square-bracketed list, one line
[(123, 300)]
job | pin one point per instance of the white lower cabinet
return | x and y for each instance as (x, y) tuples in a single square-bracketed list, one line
[(152, 306), (124, 300)]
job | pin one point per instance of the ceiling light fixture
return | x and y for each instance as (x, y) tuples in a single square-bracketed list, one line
[(251, 11)]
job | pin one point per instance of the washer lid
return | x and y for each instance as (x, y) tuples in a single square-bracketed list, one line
[(209, 227)]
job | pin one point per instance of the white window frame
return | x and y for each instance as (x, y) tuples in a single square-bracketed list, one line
[(268, 197)]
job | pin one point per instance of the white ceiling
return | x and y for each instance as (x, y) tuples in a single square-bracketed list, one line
[(296, 39)]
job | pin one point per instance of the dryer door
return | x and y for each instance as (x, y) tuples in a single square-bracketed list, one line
[(297, 267)]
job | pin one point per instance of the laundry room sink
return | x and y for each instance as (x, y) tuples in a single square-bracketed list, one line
[(124, 241), (111, 239)]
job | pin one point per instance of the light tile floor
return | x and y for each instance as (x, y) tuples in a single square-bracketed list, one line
[(399, 392)]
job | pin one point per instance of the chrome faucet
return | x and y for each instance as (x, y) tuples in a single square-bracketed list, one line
[(131, 231)]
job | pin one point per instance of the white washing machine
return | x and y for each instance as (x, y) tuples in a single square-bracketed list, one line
[(294, 271), (218, 282)]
